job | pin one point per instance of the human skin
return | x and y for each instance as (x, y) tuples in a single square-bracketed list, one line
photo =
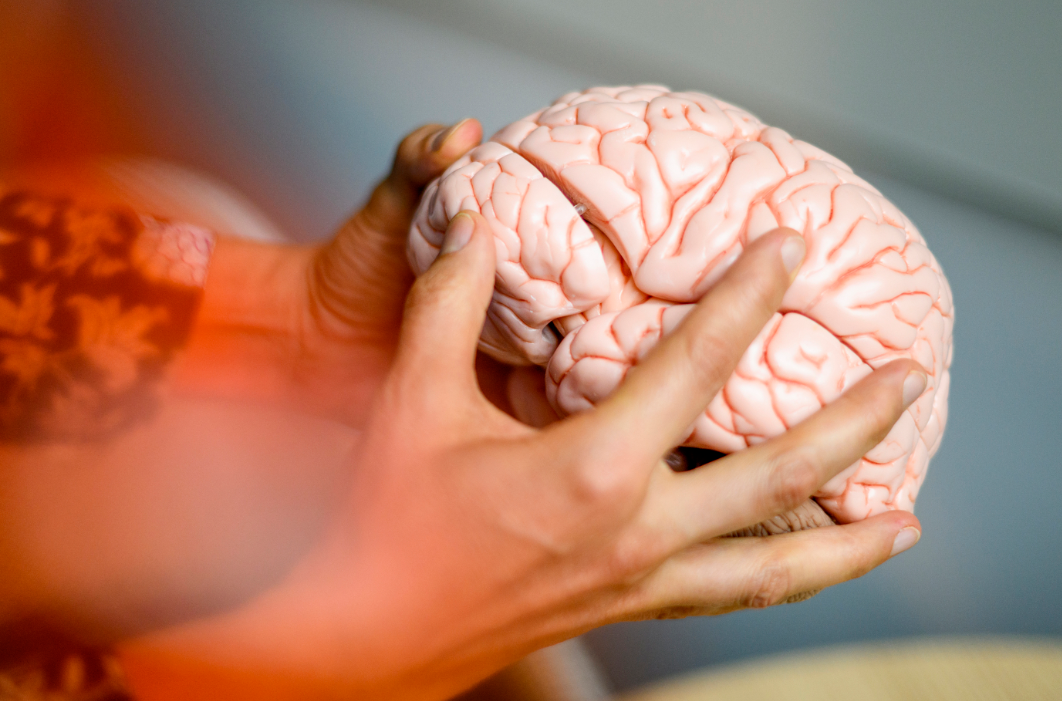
[(442, 539), (216, 495), (320, 328), (468, 539)]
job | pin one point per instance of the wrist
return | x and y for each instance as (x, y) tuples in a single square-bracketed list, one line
[(250, 324), (357, 285), (256, 287)]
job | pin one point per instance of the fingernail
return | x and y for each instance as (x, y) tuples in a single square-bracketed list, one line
[(442, 136), (793, 249), (459, 233), (905, 540), (913, 386)]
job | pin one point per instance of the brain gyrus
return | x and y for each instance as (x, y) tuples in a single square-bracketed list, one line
[(615, 209)]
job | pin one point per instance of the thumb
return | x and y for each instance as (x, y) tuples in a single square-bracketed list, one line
[(421, 157), (447, 306)]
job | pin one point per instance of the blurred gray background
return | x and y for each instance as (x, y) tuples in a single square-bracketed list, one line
[(951, 108)]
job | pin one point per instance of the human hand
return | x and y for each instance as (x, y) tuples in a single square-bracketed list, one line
[(469, 539), (521, 392), (213, 496), (313, 328)]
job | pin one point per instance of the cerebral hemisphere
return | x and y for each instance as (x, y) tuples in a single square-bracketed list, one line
[(615, 209)]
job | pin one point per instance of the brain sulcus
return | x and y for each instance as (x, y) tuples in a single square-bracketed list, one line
[(615, 209)]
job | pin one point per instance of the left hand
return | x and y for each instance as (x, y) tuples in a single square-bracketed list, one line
[(313, 328), (213, 497)]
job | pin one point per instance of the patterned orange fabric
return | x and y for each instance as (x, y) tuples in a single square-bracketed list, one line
[(93, 306), (41, 664)]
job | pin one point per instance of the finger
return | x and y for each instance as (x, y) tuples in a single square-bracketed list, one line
[(421, 157), (807, 515), (769, 479), (727, 574), (652, 410), (446, 308)]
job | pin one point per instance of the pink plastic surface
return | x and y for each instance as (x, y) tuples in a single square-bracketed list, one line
[(615, 209)]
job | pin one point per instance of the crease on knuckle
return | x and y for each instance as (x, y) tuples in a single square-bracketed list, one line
[(791, 479), (862, 558), (414, 145), (428, 290), (599, 484), (768, 299), (633, 557), (881, 419), (769, 585), (878, 411)]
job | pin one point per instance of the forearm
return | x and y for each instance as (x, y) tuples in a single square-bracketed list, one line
[(245, 342), (261, 337), (129, 380), (237, 496)]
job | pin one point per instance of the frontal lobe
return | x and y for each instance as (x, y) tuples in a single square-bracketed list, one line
[(671, 187), (549, 264)]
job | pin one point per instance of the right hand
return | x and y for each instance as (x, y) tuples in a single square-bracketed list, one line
[(470, 539)]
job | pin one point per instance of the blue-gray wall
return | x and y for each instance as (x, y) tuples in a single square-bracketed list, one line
[(951, 111)]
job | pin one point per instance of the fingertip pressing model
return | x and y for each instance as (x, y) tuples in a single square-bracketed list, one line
[(615, 209)]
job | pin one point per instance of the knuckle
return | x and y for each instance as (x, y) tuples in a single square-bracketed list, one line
[(411, 157), (430, 289), (769, 585), (861, 558), (792, 478), (632, 557), (770, 288), (600, 484), (410, 147), (420, 292), (876, 422), (879, 408)]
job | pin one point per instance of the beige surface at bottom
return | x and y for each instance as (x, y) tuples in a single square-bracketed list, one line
[(970, 669)]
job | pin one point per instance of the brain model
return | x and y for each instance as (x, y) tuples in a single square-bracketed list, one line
[(615, 209)]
